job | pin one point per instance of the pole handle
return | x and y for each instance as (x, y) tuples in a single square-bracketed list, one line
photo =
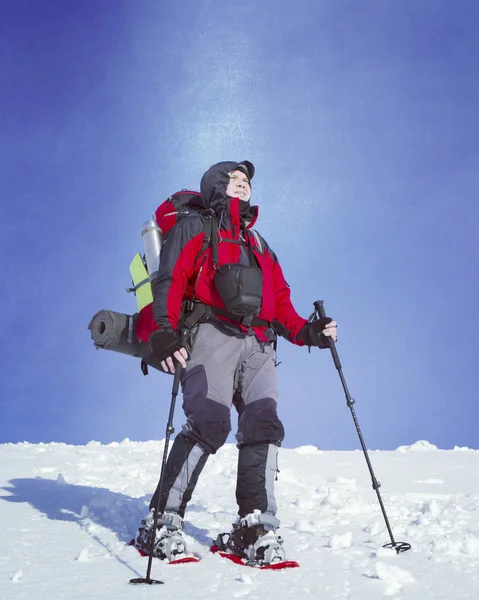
[(319, 308)]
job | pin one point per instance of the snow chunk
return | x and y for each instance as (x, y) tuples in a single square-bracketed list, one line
[(127, 442), (244, 578), (341, 541), (304, 503), (61, 479), (333, 498), (307, 450), (457, 544), (18, 576), (421, 445), (373, 528), (83, 556), (395, 577), (303, 525), (432, 507), (470, 544)]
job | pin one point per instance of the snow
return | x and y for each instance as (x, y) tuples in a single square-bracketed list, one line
[(420, 446), (67, 513)]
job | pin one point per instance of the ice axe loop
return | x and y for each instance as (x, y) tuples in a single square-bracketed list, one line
[(398, 546)]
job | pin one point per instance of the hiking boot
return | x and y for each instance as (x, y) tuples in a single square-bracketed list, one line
[(257, 544), (169, 541)]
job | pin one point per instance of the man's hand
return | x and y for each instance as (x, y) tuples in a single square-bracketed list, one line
[(331, 330), (317, 333), (181, 356), (166, 345)]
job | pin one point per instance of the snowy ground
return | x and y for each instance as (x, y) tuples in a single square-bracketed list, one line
[(66, 513)]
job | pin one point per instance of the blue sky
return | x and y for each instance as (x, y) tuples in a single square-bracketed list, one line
[(361, 120)]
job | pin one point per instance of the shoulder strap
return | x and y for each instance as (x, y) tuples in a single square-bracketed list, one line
[(257, 240), (214, 241), (208, 226), (249, 249)]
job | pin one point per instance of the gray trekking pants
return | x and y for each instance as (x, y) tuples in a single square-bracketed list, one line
[(223, 370)]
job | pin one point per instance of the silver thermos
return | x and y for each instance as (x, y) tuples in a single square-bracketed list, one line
[(152, 241)]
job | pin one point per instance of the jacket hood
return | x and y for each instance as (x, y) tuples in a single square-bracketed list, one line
[(215, 181)]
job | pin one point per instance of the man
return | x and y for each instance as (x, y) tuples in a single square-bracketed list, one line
[(245, 299)]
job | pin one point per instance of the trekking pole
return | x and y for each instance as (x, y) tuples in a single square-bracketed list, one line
[(398, 546), (169, 430)]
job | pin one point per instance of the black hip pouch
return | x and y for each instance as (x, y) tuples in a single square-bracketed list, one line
[(240, 288)]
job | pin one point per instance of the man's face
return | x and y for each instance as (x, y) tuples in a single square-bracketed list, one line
[(238, 186)]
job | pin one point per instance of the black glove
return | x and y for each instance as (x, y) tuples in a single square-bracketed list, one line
[(311, 333), (164, 343)]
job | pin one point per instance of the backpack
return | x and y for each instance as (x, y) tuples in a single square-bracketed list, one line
[(167, 215)]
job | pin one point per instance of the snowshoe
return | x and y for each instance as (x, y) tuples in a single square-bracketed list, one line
[(169, 544), (254, 545)]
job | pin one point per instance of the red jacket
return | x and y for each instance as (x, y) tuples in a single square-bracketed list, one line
[(184, 275)]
